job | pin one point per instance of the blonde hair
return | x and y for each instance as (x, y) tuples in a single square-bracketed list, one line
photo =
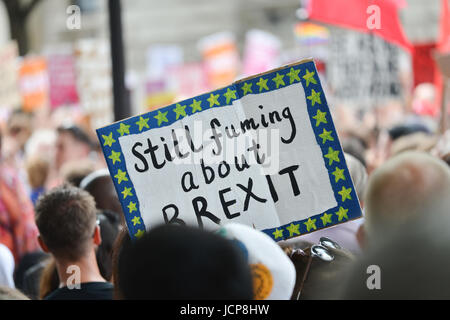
[(37, 171)]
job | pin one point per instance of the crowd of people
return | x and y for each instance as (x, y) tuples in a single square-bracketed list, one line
[(63, 234)]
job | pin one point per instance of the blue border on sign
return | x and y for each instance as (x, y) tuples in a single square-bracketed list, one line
[(347, 208)]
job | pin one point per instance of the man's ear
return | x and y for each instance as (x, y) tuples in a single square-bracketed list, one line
[(42, 244), (361, 236), (97, 236)]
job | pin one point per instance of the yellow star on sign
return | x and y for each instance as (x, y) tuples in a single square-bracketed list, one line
[(278, 80), (123, 129), (127, 192), (196, 106), (332, 155), (213, 100), (293, 75), (325, 135), (121, 176), (326, 218), (161, 117), (115, 156), (139, 233), (143, 123), (262, 84), (342, 213), (293, 229), (179, 111), (247, 88), (131, 207), (136, 220), (338, 174), (320, 117), (109, 140), (314, 97), (310, 224), (230, 94), (278, 233), (345, 193), (309, 77)]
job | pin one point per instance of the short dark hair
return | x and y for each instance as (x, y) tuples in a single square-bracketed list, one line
[(66, 219), (180, 262)]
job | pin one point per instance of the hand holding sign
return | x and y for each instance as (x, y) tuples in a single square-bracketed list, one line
[(262, 151)]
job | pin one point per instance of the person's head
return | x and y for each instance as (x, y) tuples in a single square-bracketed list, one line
[(272, 271), (72, 143), (20, 125), (109, 229), (178, 262), (37, 171), (66, 219), (101, 186), (407, 186), (411, 264)]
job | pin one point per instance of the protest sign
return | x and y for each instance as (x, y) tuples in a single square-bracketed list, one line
[(262, 151), (93, 78), (33, 82), (9, 81), (62, 79), (220, 57)]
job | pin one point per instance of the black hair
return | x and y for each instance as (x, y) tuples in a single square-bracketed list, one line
[(180, 262), (109, 230)]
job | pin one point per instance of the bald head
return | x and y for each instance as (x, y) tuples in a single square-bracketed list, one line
[(408, 186)]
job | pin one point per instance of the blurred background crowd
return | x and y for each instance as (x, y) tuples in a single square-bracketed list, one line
[(387, 90)]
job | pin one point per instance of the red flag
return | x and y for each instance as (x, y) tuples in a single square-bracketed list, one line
[(355, 14), (424, 68)]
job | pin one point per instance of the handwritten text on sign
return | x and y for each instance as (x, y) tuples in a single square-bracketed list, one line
[(263, 152)]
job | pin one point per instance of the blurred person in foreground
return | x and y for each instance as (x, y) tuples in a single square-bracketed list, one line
[(47, 272), (6, 267), (180, 262), (66, 219), (17, 228), (411, 264), (407, 187), (273, 272)]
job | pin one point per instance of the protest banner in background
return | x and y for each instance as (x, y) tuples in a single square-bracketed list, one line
[(363, 70), (189, 80), (94, 84), (160, 88), (9, 81), (33, 82), (221, 58), (261, 53), (262, 151), (61, 70)]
